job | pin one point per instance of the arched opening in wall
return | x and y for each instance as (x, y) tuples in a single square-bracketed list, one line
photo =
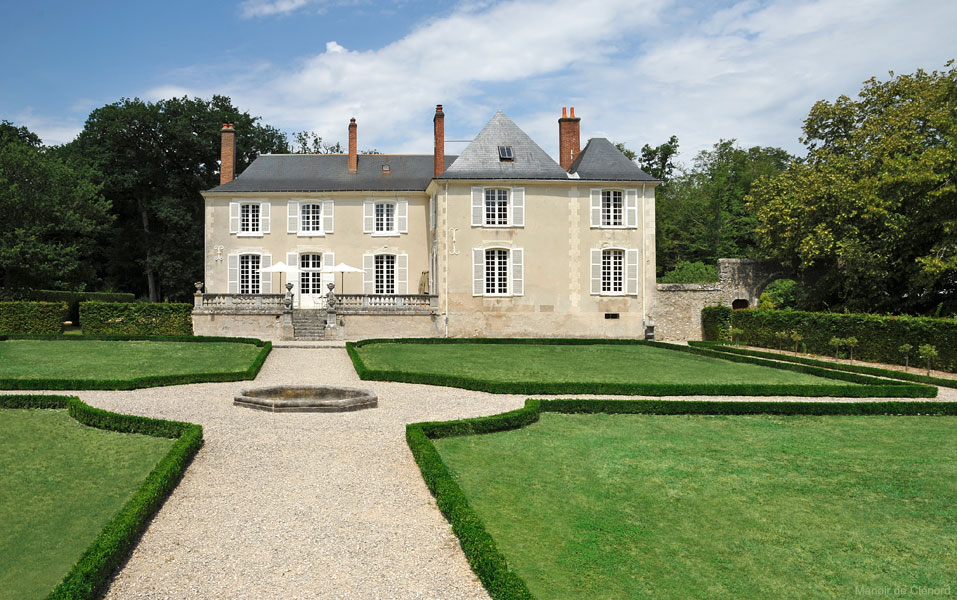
[(740, 303)]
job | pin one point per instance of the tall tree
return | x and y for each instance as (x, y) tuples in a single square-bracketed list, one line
[(52, 213), (153, 160), (658, 161), (870, 218)]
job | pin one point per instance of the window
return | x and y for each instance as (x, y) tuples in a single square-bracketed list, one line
[(505, 153), (496, 207), (496, 272), (310, 218), (249, 276), (385, 274), (249, 218), (612, 271), (310, 277), (384, 217), (612, 208)]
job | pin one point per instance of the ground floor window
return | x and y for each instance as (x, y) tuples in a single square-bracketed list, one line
[(613, 271), (310, 275), (249, 276), (496, 271), (385, 274)]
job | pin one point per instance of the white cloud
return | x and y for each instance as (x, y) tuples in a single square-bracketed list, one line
[(52, 130), (265, 8)]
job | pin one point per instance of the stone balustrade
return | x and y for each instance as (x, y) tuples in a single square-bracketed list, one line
[(238, 303), (345, 303)]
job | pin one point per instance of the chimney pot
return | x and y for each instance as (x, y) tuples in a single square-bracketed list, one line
[(227, 156), (353, 146), (569, 138), (438, 152), (572, 115), (564, 112)]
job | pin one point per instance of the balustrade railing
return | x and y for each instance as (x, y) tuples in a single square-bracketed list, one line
[(240, 302), (386, 302), (366, 303)]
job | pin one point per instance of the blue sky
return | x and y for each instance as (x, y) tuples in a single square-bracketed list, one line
[(636, 70)]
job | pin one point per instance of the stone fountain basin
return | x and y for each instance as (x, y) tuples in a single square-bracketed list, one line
[(306, 398)]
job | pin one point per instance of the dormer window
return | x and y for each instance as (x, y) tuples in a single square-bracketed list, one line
[(505, 153), (386, 169)]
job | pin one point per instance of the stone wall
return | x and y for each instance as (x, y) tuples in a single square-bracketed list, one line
[(262, 326), (362, 326)]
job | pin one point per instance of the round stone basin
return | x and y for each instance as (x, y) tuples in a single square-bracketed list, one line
[(306, 398)]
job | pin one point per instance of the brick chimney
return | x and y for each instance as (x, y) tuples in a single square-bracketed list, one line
[(227, 163), (439, 152), (569, 138), (353, 147)]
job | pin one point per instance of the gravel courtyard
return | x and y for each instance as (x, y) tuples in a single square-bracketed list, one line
[(302, 505)]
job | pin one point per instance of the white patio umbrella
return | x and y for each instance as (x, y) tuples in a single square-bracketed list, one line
[(341, 268), (281, 267)]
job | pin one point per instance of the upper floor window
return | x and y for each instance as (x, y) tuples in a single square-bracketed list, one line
[(249, 218), (612, 209), (310, 217), (385, 217), (498, 207)]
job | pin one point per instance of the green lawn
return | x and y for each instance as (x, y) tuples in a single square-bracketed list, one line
[(111, 360), (644, 506), (585, 363), (60, 483)]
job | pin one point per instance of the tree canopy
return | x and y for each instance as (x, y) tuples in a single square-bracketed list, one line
[(869, 219)]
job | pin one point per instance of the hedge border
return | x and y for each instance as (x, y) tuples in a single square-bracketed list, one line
[(116, 540), (136, 382), (481, 550), (869, 387), (866, 370)]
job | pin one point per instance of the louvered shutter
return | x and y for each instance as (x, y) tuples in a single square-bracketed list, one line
[(368, 274), (264, 210), (292, 259), (368, 216), (596, 207), (631, 272), (595, 271), (232, 274), (292, 216), (518, 271), (328, 216), (402, 274), (265, 261), (234, 217), (402, 216), (478, 271), (631, 208), (478, 202), (328, 260), (518, 207)]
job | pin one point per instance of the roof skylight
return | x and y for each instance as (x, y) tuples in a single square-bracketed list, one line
[(505, 153)]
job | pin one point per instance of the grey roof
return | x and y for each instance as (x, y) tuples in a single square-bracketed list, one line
[(330, 173), (480, 158), (601, 160)]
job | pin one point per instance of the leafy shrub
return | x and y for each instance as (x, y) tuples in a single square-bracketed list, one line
[(782, 294), (716, 323), (138, 318), (72, 299), (879, 338), (929, 354), (690, 272), (32, 317)]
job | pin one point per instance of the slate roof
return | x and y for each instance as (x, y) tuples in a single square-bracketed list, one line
[(480, 159), (330, 173), (602, 161)]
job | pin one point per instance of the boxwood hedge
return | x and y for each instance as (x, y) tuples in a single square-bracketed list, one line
[(137, 318), (110, 548), (72, 299), (868, 386), (32, 317), (488, 562)]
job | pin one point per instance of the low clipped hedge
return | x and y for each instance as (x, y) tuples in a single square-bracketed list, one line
[(868, 387), (32, 317), (716, 323), (879, 337), (72, 299), (114, 543), (137, 382), (480, 548), (137, 318)]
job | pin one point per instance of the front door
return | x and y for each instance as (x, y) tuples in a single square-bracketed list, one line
[(310, 281)]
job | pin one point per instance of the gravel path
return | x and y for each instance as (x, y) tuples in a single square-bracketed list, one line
[(304, 505)]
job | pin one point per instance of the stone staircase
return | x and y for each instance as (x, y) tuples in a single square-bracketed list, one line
[(309, 325)]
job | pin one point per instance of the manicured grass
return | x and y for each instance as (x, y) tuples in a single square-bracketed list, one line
[(748, 506), (119, 360), (60, 484), (597, 363)]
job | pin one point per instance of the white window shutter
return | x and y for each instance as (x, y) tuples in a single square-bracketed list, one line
[(264, 209), (478, 206), (595, 270), (631, 271), (478, 271), (518, 271), (368, 216), (328, 260), (265, 261), (292, 216), (631, 208), (234, 217), (232, 274), (328, 216), (518, 207), (292, 259), (596, 207), (402, 274), (402, 215), (368, 274)]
